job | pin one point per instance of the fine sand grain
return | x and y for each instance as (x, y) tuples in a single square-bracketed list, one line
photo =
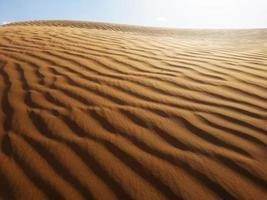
[(101, 111)]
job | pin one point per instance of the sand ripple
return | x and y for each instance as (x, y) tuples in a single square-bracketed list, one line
[(102, 111)]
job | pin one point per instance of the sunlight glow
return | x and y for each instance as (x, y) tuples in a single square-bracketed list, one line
[(209, 13), (167, 13)]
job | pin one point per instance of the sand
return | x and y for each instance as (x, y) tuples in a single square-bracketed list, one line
[(104, 112)]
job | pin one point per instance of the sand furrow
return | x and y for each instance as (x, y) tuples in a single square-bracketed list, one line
[(102, 111)]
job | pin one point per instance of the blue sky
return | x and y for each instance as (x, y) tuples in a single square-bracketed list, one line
[(170, 13)]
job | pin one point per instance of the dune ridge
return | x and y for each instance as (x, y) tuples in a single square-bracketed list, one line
[(103, 111)]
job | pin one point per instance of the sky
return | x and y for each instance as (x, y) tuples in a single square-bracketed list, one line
[(166, 13)]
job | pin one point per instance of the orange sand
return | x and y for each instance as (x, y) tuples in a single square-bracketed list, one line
[(101, 111)]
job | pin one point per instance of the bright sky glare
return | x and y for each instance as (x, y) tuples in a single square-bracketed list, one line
[(168, 13)]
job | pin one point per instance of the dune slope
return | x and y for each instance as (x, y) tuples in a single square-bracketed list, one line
[(101, 111)]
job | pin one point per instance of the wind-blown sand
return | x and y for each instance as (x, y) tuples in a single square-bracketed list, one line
[(101, 111)]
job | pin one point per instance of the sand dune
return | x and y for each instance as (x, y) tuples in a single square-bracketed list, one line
[(103, 111)]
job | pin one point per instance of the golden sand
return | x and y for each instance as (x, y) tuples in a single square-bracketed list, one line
[(101, 111)]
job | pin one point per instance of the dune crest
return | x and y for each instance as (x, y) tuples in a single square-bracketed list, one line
[(102, 111)]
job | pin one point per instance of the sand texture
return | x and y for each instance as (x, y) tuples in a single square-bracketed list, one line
[(103, 112)]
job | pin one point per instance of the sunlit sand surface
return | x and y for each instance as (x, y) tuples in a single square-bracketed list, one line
[(104, 112)]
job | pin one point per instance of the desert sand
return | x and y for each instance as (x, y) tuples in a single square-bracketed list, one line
[(101, 111)]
